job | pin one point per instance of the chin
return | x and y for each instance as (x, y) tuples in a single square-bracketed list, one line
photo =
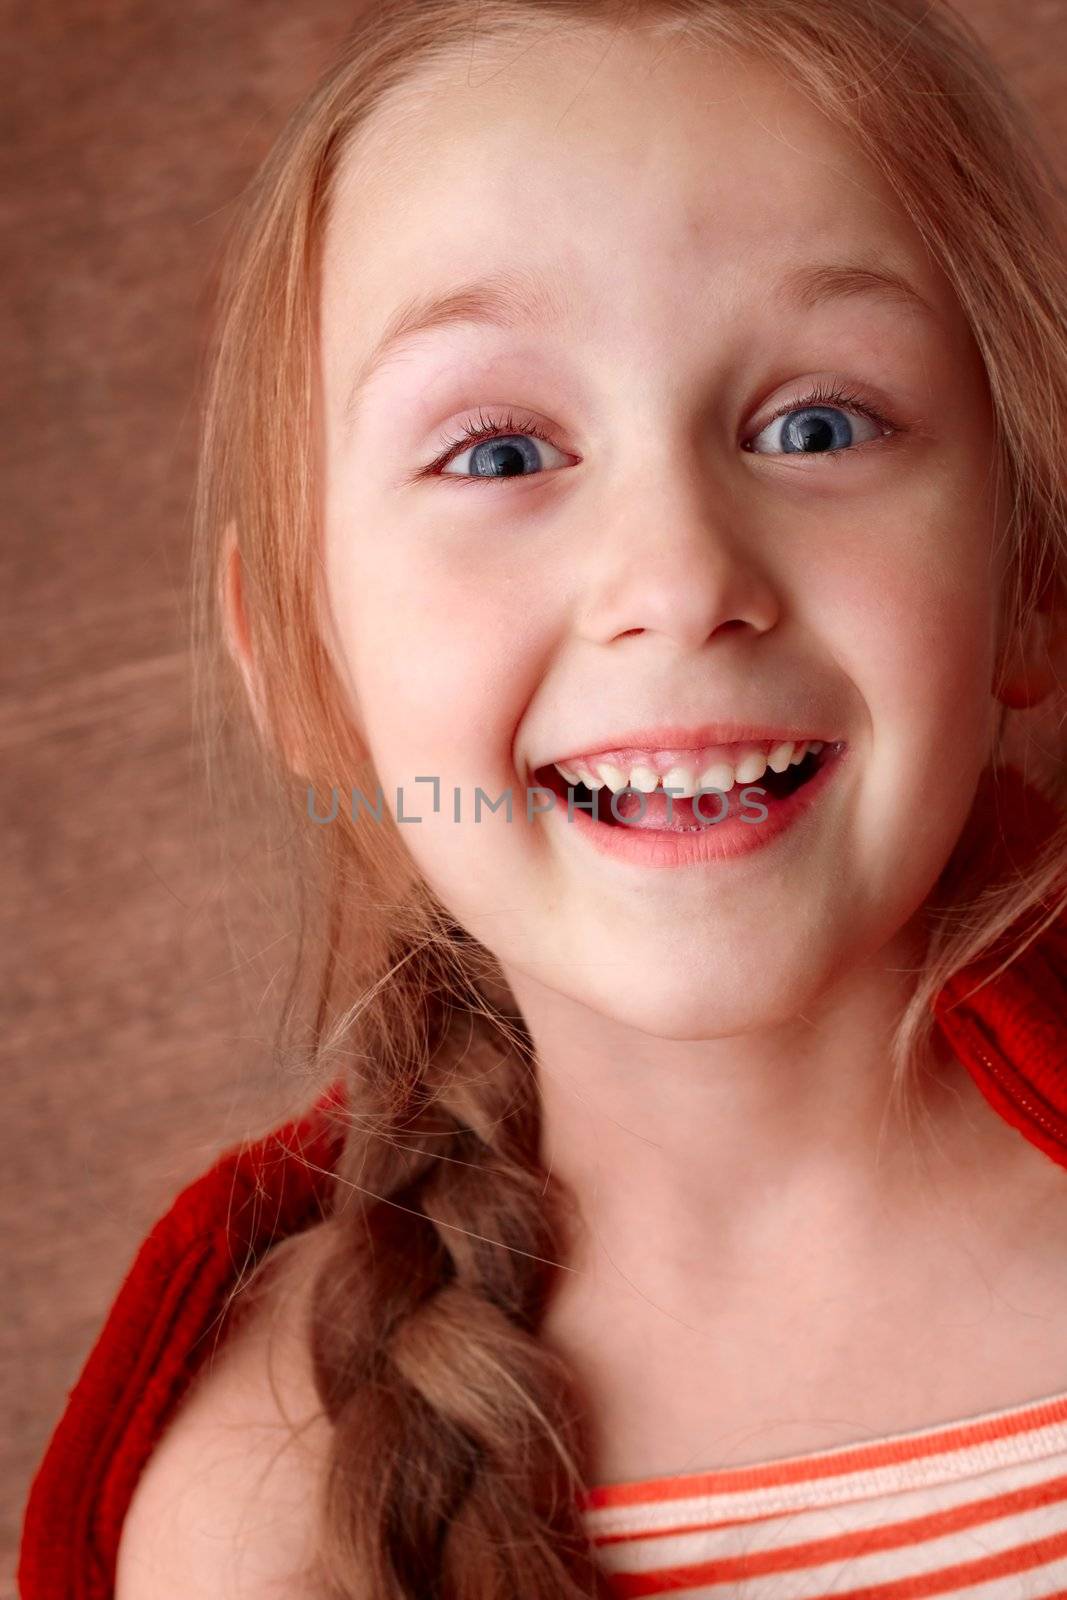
[(690, 1005)]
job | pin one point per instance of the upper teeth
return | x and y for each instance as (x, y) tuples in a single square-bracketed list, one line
[(685, 776)]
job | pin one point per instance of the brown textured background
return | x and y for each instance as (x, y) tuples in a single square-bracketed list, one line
[(135, 1027)]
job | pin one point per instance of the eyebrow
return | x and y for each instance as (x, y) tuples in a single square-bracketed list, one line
[(514, 298), (507, 299)]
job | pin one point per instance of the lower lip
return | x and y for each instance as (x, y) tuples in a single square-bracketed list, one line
[(720, 841)]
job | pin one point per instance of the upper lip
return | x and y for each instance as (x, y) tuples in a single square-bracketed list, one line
[(673, 737)]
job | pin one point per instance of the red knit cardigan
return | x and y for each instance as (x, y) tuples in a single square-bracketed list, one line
[(1011, 1035)]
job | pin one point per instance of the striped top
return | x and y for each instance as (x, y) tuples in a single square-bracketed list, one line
[(975, 1508)]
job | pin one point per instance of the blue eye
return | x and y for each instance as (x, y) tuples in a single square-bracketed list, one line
[(814, 430), (827, 421), (495, 450)]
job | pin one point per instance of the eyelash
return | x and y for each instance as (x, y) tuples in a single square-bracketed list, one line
[(477, 433), (833, 393)]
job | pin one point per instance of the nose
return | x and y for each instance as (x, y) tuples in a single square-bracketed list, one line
[(678, 559)]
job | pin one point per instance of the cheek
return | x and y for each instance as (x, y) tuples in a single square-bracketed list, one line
[(439, 649), (910, 608)]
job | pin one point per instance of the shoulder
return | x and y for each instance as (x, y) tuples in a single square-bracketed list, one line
[(225, 1507)]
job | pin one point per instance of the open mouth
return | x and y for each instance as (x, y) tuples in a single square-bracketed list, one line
[(651, 809)]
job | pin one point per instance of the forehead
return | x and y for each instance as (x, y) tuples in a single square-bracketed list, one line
[(621, 166)]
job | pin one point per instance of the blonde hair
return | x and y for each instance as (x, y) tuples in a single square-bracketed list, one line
[(457, 1444)]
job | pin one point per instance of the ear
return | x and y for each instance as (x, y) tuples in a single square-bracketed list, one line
[(239, 644), (1029, 667)]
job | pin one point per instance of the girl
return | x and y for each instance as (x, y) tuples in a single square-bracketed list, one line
[(685, 925)]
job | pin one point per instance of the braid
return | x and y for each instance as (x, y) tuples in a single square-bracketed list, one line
[(453, 1469)]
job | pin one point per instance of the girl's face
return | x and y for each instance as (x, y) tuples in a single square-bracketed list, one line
[(683, 250)]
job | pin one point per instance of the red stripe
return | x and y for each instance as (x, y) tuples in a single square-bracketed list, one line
[(810, 1469)]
